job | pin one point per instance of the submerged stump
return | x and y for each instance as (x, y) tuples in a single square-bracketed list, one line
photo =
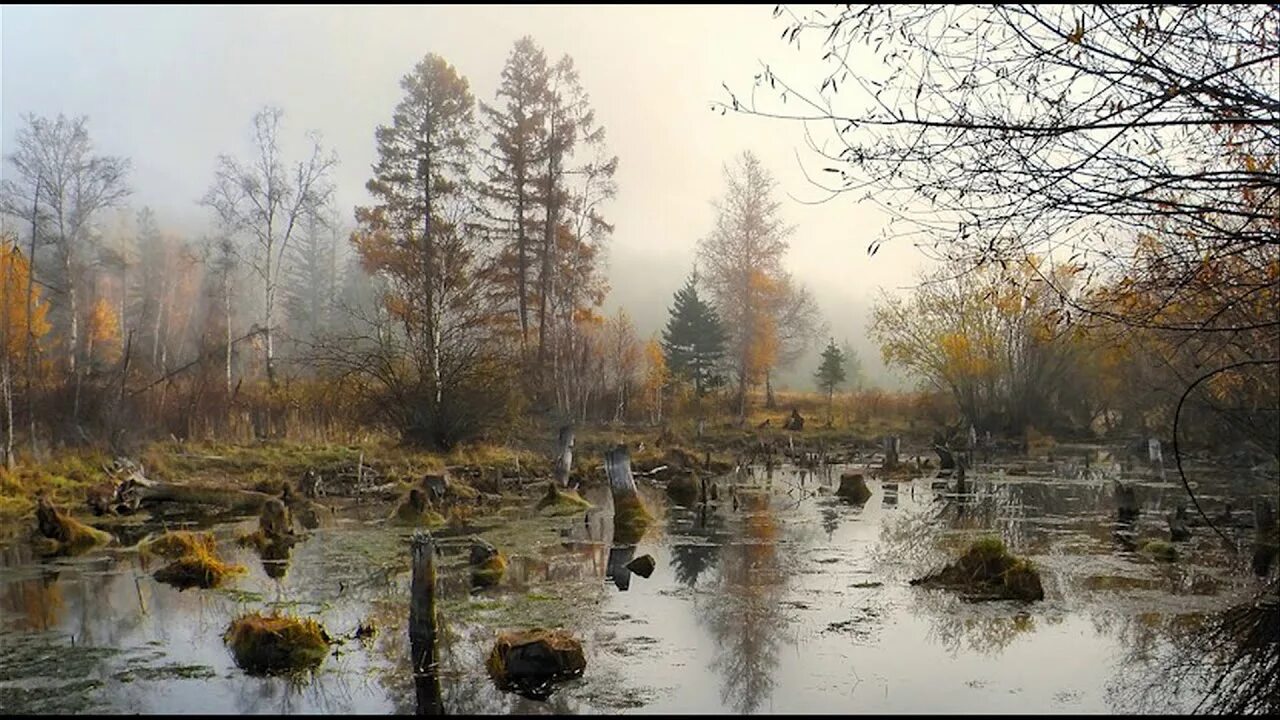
[(415, 509), (68, 535), (488, 566), (853, 487), (561, 502), (531, 662)]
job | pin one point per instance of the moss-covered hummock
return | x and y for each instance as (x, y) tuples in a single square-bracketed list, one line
[(630, 520), (177, 543), (561, 502), (490, 571), (67, 534), (988, 571), (201, 567), (531, 661), (1159, 550), (415, 510), (267, 645)]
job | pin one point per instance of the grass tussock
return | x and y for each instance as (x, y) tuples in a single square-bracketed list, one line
[(66, 535), (276, 644), (988, 571), (561, 502), (177, 543), (201, 568)]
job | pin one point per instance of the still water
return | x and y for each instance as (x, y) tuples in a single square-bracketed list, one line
[(792, 601)]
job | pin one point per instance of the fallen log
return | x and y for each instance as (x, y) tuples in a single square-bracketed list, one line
[(230, 498)]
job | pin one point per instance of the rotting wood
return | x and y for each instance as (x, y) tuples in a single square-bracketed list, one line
[(564, 456)]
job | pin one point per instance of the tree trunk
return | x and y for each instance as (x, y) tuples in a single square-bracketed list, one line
[(617, 466), (31, 335), (770, 401), (564, 456), (422, 624), (891, 447)]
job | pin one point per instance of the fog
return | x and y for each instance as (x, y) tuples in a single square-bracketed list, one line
[(170, 88)]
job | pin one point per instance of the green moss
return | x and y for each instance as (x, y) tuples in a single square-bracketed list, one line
[(273, 644), (988, 571), (1159, 550), (561, 502), (630, 521)]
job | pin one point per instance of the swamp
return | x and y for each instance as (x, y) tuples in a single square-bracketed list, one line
[(603, 359)]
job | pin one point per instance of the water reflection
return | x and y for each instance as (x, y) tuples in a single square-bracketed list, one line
[(745, 615)]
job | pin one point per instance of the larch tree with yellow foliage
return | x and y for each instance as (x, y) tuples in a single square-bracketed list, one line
[(19, 329)]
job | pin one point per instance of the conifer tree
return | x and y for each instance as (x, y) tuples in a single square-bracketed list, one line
[(831, 372), (693, 340)]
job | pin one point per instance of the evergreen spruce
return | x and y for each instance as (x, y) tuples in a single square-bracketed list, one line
[(693, 340), (830, 373)]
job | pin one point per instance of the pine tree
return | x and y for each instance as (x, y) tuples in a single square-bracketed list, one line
[(693, 340), (830, 373)]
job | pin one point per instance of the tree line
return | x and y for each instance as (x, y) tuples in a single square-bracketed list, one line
[(468, 292)]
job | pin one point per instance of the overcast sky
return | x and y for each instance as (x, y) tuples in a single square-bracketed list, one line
[(171, 87)]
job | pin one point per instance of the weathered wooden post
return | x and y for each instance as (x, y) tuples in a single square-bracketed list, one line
[(564, 456), (422, 624), (891, 445)]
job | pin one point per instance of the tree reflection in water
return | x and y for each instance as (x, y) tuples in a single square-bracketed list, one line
[(689, 560), (745, 613), (1221, 663)]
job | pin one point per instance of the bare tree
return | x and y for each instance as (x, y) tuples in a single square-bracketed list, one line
[(742, 257), (270, 202), (60, 187)]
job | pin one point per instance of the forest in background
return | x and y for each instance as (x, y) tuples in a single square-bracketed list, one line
[(464, 303)]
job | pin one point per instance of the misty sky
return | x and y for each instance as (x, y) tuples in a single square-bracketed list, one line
[(172, 87)]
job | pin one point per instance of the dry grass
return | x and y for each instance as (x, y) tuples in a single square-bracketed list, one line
[(201, 567), (264, 645), (66, 534), (177, 543)]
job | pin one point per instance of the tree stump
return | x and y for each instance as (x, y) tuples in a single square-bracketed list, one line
[(564, 455)]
